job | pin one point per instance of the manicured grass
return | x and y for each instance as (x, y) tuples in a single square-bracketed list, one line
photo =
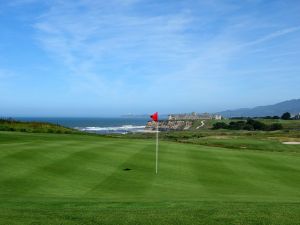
[(80, 179)]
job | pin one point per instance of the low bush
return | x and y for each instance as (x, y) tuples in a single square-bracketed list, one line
[(250, 125)]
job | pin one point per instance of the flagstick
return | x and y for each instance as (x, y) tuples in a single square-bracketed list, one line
[(156, 148)]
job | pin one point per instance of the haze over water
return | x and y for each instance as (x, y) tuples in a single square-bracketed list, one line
[(95, 125)]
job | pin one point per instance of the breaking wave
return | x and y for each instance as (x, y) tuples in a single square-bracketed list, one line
[(119, 129)]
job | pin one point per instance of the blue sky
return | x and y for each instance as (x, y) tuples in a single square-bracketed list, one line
[(106, 58)]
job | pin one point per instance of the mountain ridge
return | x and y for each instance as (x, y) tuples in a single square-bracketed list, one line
[(292, 106)]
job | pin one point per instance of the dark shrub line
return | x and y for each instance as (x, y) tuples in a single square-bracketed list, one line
[(250, 124)]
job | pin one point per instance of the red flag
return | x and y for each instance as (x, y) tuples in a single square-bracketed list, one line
[(154, 117)]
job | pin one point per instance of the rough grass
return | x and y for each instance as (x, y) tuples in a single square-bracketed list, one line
[(237, 142), (79, 179), (33, 127)]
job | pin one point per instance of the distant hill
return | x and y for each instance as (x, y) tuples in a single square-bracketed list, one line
[(292, 106)]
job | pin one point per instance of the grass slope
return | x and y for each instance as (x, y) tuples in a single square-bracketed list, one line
[(80, 179), (34, 127)]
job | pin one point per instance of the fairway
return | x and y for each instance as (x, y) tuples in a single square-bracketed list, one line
[(83, 179)]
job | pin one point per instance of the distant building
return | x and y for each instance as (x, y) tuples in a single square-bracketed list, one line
[(218, 117), (297, 117), (194, 116)]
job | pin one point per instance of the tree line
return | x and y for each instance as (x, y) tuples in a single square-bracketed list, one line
[(284, 116), (250, 124)]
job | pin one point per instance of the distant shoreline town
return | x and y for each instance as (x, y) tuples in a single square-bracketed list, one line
[(195, 121), (194, 116), (184, 121), (291, 106)]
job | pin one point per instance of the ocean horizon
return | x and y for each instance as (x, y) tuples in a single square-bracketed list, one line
[(100, 125)]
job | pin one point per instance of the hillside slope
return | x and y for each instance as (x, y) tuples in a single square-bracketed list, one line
[(34, 127), (292, 106)]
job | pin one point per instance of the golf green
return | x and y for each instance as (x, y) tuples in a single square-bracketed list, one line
[(83, 179)]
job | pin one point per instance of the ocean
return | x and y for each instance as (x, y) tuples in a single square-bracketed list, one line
[(95, 125)]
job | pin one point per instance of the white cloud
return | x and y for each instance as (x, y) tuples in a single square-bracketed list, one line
[(272, 36), (107, 45), (90, 38)]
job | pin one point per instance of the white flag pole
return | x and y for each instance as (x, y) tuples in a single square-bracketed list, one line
[(156, 165)]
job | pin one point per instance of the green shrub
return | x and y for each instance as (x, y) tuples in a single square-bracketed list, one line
[(220, 125), (286, 116), (257, 125), (4, 128), (250, 125), (276, 126), (239, 125)]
